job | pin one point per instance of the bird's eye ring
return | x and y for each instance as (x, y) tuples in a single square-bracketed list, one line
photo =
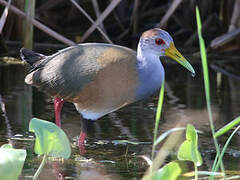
[(159, 41)]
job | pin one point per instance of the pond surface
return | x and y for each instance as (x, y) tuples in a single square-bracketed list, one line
[(107, 158)]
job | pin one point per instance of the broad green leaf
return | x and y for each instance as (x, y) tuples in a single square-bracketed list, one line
[(227, 127), (189, 148), (171, 171), (6, 146), (11, 162), (50, 139)]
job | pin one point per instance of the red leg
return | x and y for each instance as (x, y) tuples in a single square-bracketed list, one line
[(58, 104), (82, 136), (81, 140)]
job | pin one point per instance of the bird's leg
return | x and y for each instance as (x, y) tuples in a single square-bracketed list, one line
[(82, 137), (58, 104), (85, 125)]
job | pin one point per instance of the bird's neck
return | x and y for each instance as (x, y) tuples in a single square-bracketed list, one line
[(150, 72), (146, 58), (142, 57)]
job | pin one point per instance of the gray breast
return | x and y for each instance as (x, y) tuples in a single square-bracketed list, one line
[(151, 76)]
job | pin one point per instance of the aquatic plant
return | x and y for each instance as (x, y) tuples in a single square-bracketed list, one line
[(11, 162), (188, 150), (50, 141)]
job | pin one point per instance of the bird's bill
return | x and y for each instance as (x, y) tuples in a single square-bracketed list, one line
[(173, 53)]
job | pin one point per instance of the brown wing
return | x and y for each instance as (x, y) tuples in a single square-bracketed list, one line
[(91, 75)]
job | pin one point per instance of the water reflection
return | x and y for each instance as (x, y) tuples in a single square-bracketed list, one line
[(184, 103), (17, 97)]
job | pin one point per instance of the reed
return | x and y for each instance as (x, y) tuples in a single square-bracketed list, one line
[(28, 26)]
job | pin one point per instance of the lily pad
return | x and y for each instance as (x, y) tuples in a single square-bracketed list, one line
[(189, 148), (11, 162), (50, 139)]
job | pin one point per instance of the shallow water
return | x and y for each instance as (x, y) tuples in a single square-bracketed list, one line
[(106, 157)]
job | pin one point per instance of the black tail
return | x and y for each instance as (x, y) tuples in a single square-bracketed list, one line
[(30, 57)]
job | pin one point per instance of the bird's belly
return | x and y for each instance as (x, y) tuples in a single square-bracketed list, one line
[(94, 103), (113, 87)]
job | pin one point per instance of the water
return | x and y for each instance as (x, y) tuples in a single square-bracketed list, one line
[(106, 157)]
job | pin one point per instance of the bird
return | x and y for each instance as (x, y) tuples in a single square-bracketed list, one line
[(100, 78)]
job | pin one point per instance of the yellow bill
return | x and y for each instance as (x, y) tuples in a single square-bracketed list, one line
[(173, 53)]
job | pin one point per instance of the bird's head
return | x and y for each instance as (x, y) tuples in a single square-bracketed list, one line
[(158, 42)]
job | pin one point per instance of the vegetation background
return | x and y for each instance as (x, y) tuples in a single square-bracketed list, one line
[(118, 21)]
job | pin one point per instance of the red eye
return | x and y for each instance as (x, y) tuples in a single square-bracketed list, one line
[(159, 41)]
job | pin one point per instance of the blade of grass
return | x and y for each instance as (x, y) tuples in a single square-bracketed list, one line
[(169, 145), (224, 149), (158, 114), (165, 134), (202, 173), (227, 127), (206, 84)]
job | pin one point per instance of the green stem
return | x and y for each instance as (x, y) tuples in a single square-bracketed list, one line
[(40, 167), (158, 114), (157, 119), (206, 84), (196, 171), (224, 149)]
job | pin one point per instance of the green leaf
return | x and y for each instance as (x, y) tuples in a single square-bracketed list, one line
[(227, 127), (158, 115), (50, 139), (224, 149), (207, 86), (171, 171), (6, 146), (189, 148), (11, 162)]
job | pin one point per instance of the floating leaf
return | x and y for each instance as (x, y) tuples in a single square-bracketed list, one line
[(189, 148), (11, 162), (50, 139), (171, 171), (227, 127)]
